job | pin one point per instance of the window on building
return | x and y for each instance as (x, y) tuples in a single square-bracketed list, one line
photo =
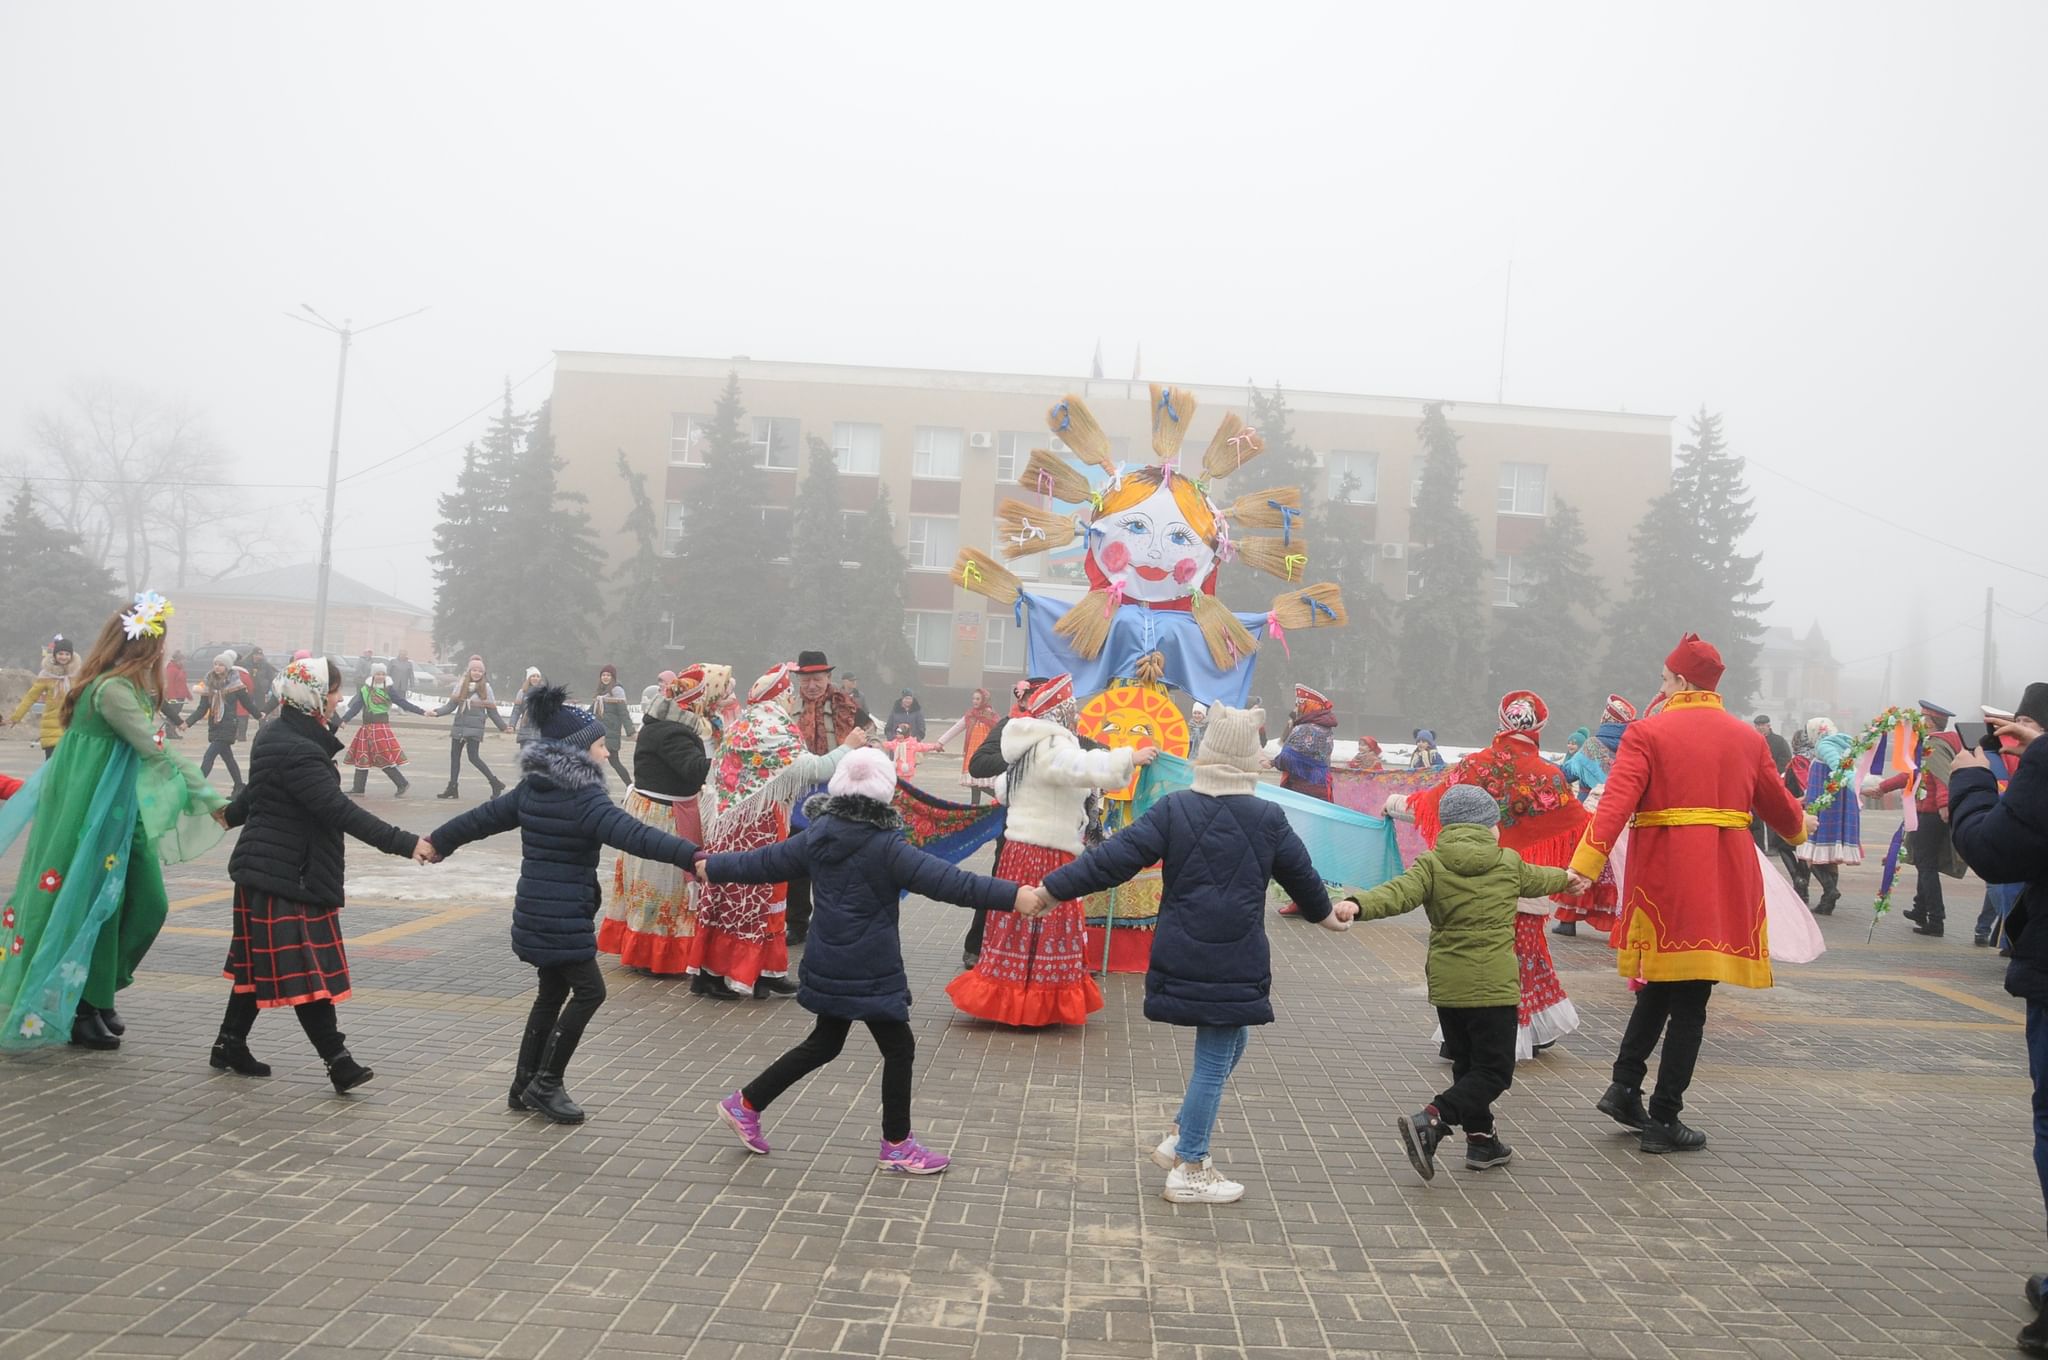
[(1002, 648), (859, 448), (776, 523), (676, 525), (686, 434), (1523, 489), (671, 632), (1013, 451), (934, 542), (930, 635), (935, 452), (775, 442), (1354, 477), (1511, 581)]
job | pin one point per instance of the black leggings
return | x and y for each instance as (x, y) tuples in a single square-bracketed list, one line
[(553, 1029), (317, 1018), (225, 751), (625, 775), (476, 758), (822, 1045)]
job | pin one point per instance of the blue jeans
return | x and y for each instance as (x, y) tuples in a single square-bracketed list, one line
[(2037, 1063), (1217, 1049)]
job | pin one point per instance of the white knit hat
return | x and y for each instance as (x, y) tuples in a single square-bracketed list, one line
[(1228, 762), (864, 773)]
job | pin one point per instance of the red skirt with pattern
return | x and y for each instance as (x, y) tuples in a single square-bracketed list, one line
[(1031, 972), (286, 952), (741, 933), (375, 748)]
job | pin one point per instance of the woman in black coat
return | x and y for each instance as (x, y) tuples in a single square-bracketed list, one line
[(650, 922), (287, 869), (860, 866)]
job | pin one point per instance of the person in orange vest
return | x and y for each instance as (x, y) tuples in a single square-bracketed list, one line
[(1692, 892)]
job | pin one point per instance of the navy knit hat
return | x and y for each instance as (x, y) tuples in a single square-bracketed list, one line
[(1468, 805), (557, 719)]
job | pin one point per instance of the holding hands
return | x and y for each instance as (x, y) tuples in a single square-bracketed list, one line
[(1575, 882), (425, 853), (1033, 902)]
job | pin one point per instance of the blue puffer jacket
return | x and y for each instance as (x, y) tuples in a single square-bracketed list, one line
[(565, 819), (859, 865), (1210, 961)]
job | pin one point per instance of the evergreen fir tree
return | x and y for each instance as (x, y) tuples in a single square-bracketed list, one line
[(725, 564), (876, 649), (1442, 674), (52, 586), (472, 555), (635, 635), (554, 594), (1546, 642), (815, 614), (1688, 575)]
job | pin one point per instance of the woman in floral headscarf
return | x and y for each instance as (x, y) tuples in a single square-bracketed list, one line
[(761, 767), (651, 920), (1541, 822), (104, 816)]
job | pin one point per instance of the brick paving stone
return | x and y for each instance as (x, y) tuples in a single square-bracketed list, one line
[(153, 1207)]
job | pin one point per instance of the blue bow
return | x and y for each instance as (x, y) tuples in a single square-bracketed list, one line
[(1066, 418), (1166, 405), (1017, 610), (1316, 607), (1287, 517)]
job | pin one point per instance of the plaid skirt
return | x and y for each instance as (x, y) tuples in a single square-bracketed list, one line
[(375, 748), (286, 952)]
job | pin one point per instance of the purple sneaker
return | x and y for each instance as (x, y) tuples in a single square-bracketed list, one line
[(745, 1122), (912, 1158)]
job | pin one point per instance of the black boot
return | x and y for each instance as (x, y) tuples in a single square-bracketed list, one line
[(545, 1092), (362, 783), (404, 785), (1565, 928), (89, 1031), (112, 1020), (774, 986), (2033, 1338), (231, 1054), (497, 788), (531, 1045), (450, 792), (1420, 1133), (520, 1080), (1660, 1136), (1625, 1107), (346, 1073)]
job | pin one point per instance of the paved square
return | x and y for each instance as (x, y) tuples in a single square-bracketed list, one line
[(1868, 1191)]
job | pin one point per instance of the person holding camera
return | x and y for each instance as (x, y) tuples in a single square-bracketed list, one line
[(2005, 839)]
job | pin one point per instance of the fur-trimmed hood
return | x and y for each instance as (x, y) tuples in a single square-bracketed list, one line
[(560, 765), (842, 823)]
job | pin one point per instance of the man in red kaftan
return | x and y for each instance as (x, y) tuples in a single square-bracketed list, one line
[(1685, 787)]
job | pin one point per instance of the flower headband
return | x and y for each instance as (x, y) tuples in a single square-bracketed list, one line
[(147, 619)]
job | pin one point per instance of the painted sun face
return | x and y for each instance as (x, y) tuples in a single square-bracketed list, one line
[(1151, 550), (1135, 717)]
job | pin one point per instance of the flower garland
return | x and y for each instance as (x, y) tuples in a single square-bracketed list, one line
[(1842, 776)]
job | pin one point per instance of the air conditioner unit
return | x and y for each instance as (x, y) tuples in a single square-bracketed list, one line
[(981, 439), (1393, 552)]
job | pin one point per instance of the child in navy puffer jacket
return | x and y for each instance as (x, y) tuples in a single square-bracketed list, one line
[(565, 819), (859, 865)]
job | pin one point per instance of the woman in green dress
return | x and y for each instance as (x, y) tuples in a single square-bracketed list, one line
[(103, 817)]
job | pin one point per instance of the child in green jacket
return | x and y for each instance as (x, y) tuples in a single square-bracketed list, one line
[(1469, 885)]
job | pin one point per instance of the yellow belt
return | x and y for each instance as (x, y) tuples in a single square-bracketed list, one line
[(1691, 817)]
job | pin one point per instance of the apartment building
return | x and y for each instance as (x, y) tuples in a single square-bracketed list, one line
[(948, 445)]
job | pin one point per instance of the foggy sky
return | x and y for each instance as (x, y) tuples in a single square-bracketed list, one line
[(1823, 221)]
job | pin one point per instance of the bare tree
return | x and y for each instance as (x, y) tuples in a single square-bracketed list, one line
[(133, 474)]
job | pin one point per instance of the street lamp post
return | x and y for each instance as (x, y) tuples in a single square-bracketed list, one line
[(346, 332)]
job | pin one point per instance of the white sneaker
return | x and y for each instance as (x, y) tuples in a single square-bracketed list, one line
[(1201, 1183), (1167, 1155)]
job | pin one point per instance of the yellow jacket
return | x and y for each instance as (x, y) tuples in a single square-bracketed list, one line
[(51, 691)]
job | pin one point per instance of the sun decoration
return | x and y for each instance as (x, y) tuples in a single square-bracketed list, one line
[(1154, 538), (147, 619), (1133, 716)]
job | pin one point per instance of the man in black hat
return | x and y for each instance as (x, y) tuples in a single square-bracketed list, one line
[(825, 717), (1929, 842)]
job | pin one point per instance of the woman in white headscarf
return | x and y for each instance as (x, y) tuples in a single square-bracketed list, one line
[(762, 766), (288, 871)]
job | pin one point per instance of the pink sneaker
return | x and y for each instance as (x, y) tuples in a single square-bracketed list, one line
[(745, 1122), (912, 1158)]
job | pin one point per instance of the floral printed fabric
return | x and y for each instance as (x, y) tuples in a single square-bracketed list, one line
[(755, 749)]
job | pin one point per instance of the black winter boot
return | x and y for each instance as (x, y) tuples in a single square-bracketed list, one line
[(531, 1045), (231, 1054), (362, 783), (1625, 1107), (89, 1031), (520, 1081), (545, 1092), (346, 1073), (1661, 1137), (112, 1020), (450, 792)]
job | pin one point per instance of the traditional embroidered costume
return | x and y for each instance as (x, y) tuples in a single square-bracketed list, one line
[(1304, 759), (376, 746), (1035, 972)]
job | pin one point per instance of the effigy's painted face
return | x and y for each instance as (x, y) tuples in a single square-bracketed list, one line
[(1151, 550)]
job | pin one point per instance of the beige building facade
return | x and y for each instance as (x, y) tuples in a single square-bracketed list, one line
[(948, 445)]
